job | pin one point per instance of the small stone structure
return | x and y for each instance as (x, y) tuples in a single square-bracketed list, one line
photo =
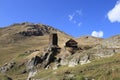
[(71, 46), (53, 39), (71, 43)]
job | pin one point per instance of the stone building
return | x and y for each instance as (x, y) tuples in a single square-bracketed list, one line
[(53, 39), (71, 43)]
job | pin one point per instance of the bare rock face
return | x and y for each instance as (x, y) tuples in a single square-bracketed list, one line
[(44, 60), (64, 62), (73, 62), (51, 53), (31, 74), (33, 62), (104, 53), (84, 60), (56, 65), (112, 42), (36, 30)]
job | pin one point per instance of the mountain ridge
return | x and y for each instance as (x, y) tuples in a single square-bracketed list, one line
[(26, 46)]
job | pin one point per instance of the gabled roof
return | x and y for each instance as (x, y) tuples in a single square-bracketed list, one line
[(71, 41)]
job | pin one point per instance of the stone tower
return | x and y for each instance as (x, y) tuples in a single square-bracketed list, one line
[(53, 40)]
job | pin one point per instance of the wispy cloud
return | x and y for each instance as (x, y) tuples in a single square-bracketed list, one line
[(79, 24), (74, 17), (97, 33), (114, 14), (79, 12), (70, 17)]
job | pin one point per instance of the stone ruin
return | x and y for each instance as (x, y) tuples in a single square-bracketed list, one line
[(71, 43), (53, 49), (53, 39), (71, 46), (49, 55)]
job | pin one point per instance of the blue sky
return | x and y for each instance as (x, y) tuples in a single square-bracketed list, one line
[(100, 18)]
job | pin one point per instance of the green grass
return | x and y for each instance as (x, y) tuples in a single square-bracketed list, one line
[(16, 72), (4, 77)]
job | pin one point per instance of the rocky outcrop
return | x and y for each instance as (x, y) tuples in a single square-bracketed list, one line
[(85, 59), (44, 60), (64, 62), (7, 66), (73, 62), (33, 62), (50, 56), (104, 53), (56, 65), (31, 33), (31, 74), (112, 42), (36, 30)]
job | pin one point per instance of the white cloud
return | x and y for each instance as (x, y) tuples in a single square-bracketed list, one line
[(79, 12), (97, 34), (114, 14), (70, 17), (75, 16)]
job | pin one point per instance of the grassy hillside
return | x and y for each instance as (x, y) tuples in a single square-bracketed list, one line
[(12, 45), (16, 47)]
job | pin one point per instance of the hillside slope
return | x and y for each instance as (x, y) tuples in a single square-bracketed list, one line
[(16, 39), (27, 52)]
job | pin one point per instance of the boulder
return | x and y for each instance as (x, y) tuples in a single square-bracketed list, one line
[(64, 62), (31, 74), (73, 62), (84, 59), (7, 66), (33, 62), (56, 65)]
